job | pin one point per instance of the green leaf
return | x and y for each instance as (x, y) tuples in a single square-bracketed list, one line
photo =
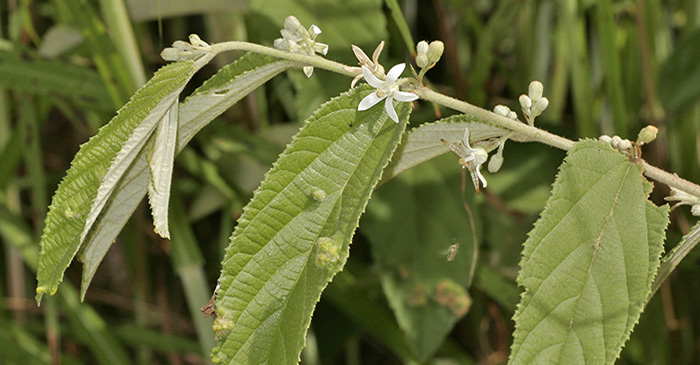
[(216, 95), (294, 236), (679, 77), (588, 264), (160, 162), (423, 143), (99, 166), (412, 223)]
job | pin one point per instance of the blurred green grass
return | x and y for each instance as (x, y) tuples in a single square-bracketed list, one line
[(609, 67)]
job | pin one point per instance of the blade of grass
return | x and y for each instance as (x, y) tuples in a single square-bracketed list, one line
[(400, 21), (189, 265), (119, 26), (611, 66)]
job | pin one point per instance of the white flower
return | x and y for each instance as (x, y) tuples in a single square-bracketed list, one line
[(685, 198), (386, 89), (470, 158)]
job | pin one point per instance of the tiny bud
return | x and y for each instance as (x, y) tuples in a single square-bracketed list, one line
[(292, 23), (281, 44), (695, 210), (422, 60), (625, 144), (535, 90), (422, 47), (512, 115), (616, 142), (539, 106), (605, 138), (495, 163), (170, 54), (308, 71), (647, 134), (435, 51), (197, 42), (501, 110), (525, 103)]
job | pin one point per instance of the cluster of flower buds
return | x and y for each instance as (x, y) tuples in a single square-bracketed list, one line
[(429, 54), (533, 103), (297, 39), (622, 145), (684, 198), (182, 50)]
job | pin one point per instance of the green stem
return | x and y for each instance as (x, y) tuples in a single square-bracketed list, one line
[(299, 59)]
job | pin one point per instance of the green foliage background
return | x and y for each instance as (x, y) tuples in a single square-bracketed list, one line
[(65, 66)]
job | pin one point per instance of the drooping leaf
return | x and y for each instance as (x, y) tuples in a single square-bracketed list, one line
[(416, 223), (423, 143), (294, 236), (99, 167), (161, 161), (216, 95), (588, 264)]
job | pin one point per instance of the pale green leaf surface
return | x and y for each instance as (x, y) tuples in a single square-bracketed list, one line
[(217, 94), (161, 162), (423, 143), (588, 264), (411, 223), (97, 168), (293, 237)]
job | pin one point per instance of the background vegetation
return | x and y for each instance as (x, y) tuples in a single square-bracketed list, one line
[(609, 67)]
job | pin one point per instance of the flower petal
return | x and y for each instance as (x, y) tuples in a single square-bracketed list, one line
[(371, 79), (405, 96), (465, 139), (481, 177), (308, 71), (395, 72), (389, 107), (314, 30), (321, 48), (369, 101)]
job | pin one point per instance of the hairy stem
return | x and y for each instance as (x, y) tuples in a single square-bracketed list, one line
[(531, 132)]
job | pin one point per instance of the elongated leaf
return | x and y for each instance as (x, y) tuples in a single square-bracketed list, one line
[(224, 89), (100, 165), (589, 262), (422, 241), (423, 143), (161, 162), (294, 236)]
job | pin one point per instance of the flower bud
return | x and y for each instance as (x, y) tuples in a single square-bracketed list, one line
[(435, 50), (422, 60), (534, 91), (695, 210), (539, 106), (422, 47), (647, 134), (292, 23), (605, 138), (525, 103), (495, 163), (501, 110), (170, 54)]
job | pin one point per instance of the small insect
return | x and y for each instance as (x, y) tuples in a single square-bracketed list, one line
[(209, 309), (469, 158), (452, 251)]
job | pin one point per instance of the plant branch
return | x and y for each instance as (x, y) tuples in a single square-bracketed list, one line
[(299, 59)]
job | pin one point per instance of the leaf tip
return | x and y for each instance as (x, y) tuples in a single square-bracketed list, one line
[(41, 290)]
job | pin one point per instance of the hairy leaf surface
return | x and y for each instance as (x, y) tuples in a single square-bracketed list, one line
[(588, 264), (294, 236)]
